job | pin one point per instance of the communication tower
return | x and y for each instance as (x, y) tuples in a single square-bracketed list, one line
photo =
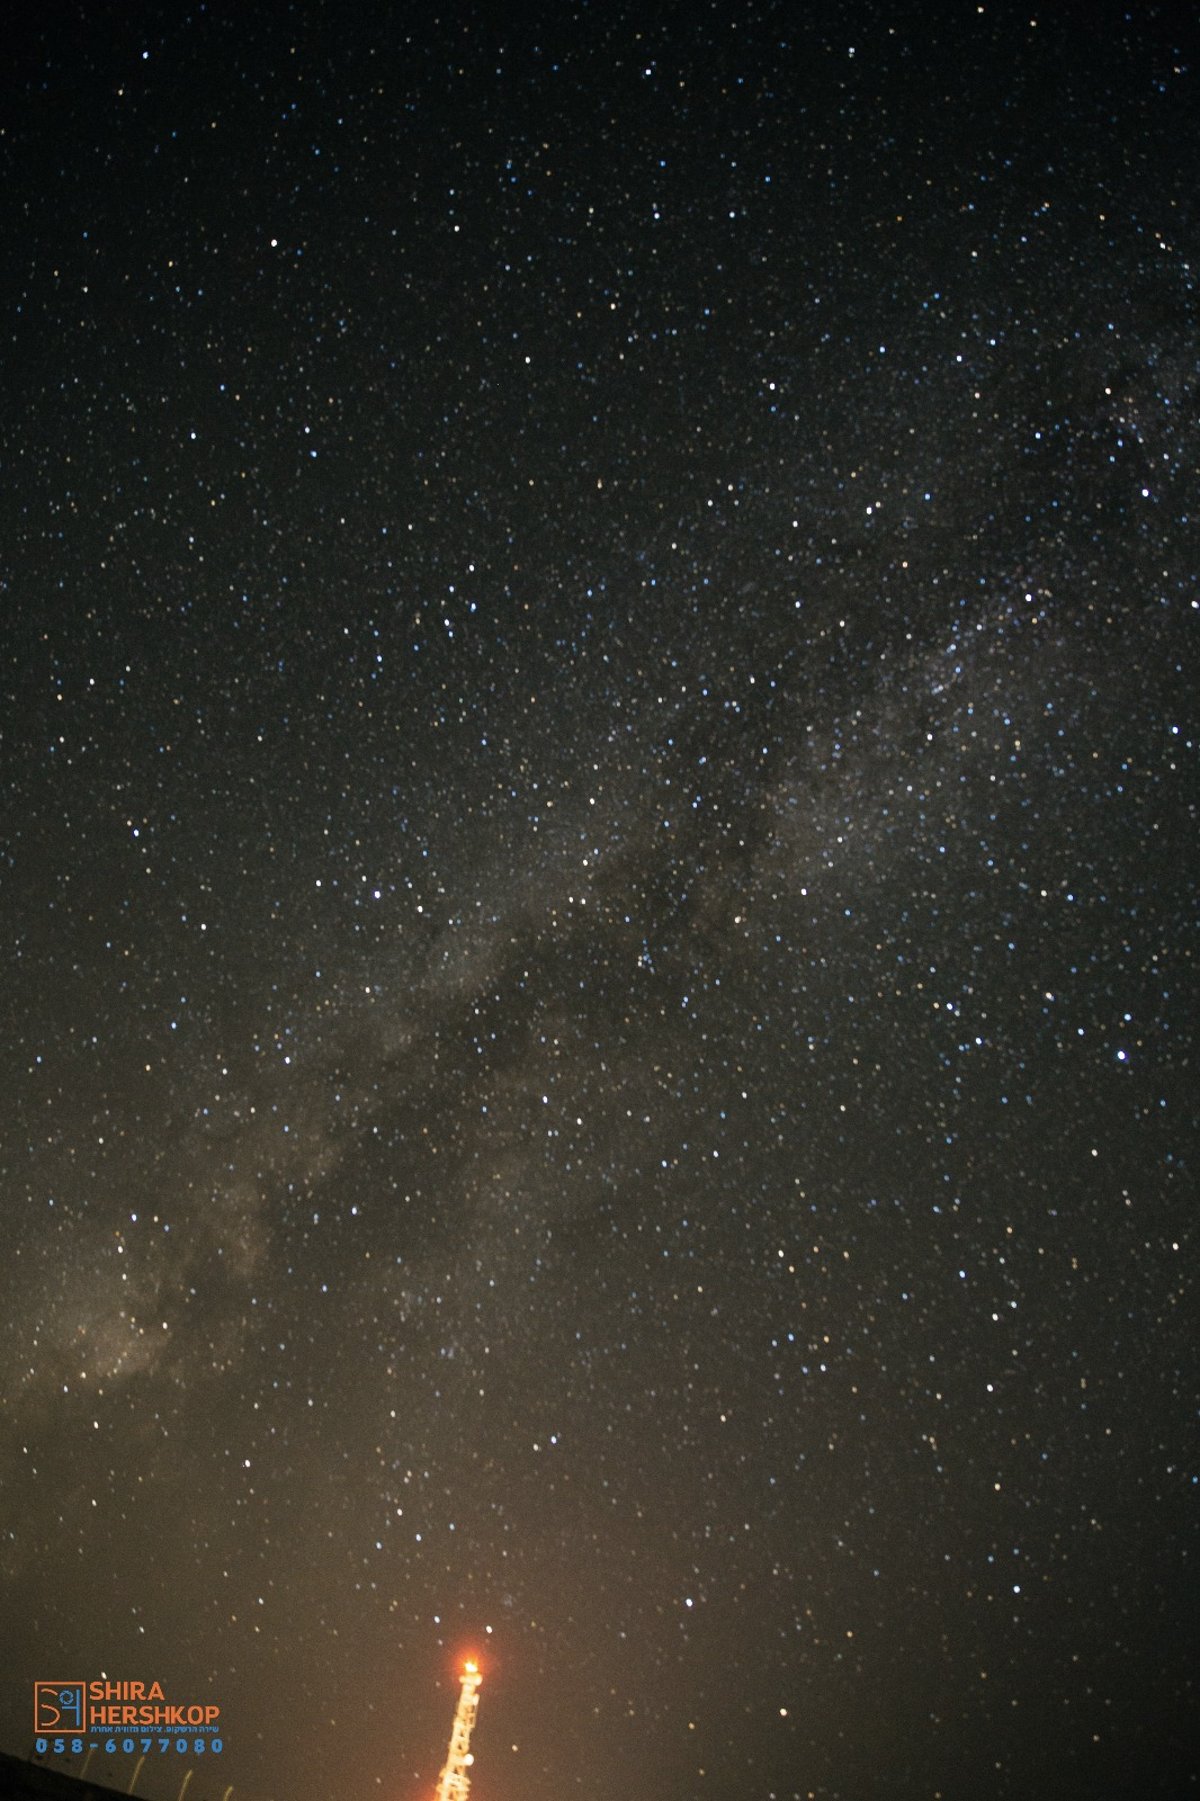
[(455, 1779)]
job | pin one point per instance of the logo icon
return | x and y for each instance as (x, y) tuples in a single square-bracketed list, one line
[(58, 1707)]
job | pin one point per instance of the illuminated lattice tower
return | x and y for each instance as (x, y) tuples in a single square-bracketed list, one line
[(455, 1780)]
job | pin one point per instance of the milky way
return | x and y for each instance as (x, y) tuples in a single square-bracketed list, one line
[(598, 860)]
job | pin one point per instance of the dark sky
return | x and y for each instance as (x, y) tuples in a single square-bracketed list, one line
[(597, 715)]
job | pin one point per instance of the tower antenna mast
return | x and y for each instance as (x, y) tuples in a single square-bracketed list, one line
[(455, 1780)]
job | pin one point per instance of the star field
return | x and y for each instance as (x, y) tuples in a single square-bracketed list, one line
[(598, 863)]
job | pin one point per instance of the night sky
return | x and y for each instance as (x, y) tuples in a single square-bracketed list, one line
[(598, 752)]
